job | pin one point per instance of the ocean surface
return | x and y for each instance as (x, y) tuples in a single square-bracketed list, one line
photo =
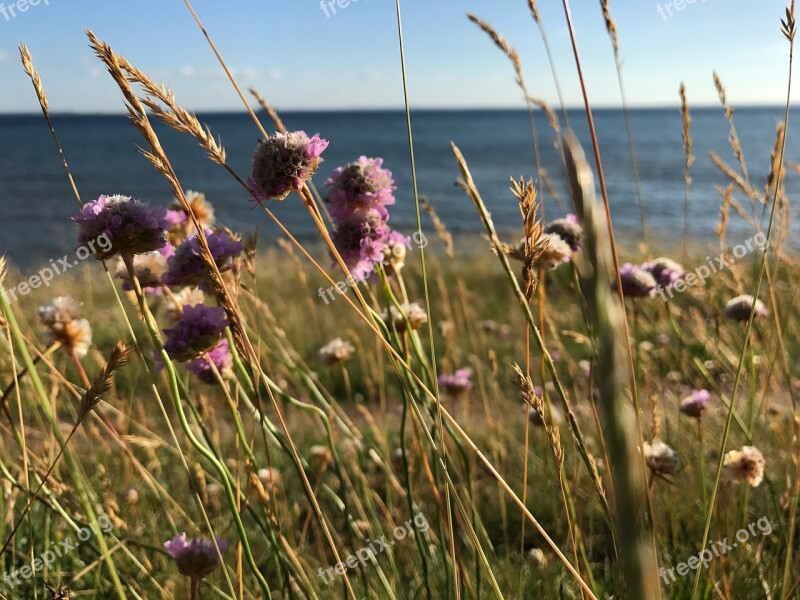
[(104, 155)]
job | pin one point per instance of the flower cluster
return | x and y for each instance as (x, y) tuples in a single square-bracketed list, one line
[(636, 281), (187, 267), (61, 318), (456, 384), (131, 226), (220, 357), (739, 308), (665, 271), (695, 404), (358, 194), (195, 558), (568, 229), (416, 315), (197, 331), (336, 351), (284, 162)]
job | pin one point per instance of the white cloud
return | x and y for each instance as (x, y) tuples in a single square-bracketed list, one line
[(187, 71), (94, 72), (275, 74), (3, 56)]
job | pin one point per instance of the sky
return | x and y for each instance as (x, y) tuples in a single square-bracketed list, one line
[(301, 56)]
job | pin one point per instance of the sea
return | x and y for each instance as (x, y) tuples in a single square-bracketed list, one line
[(105, 156)]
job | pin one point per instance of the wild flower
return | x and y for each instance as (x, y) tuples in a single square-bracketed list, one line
[(394, 254), (221, 358), (187, 296), (187, 267), (695, 404), (456, 384), (61, 318), (203, 209), (416, 315), (636, 282), (745, 466), (362, 241), (568, 229), (195, 558), (360, 186), (739, 308), (148, 267), (336, 351), (665, 271), (660, 458), (282, 163), (197, 331), (132, 227)]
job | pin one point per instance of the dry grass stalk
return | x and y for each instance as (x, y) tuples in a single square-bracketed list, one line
[(439, 226), (273, 114), (735, 177), (505, 47), (733, 139), (534, 8), (102, 382), (611, 25), (721, 229), (525, 193)]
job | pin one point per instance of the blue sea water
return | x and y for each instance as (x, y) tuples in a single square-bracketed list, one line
[(104, 155)]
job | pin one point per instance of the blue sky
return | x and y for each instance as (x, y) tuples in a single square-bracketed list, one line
[(302, 59)]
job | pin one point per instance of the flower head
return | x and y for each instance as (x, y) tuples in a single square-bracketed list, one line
[(745, 466), (739, 308), (636, 282), (362, 185), (187, 267), (336, 351), (660, 458), (362, 242), (220, 356), (195, 558), (284, 162), (665, 271), (203, 209), (128, 225), (188, 296), (568, 229), (148, 267), (456, 384), (394, 254), (416, 315), (62, 321), (197, 331), (696, 404)]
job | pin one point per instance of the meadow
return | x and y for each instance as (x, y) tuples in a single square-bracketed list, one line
[(558, 412)]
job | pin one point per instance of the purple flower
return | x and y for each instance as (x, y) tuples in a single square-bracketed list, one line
[(456, 384), (125, 225), (284, 162), (636, 282), (568, 229), (665, 271), (187, 267), (220, 356), (362, 185), (198, 331), (362, 242), (149, 268), (696, 404), (739, 308), (195, 558)]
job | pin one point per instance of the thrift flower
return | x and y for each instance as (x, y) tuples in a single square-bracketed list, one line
[(222, 359), (739, 308), (568, 229), (636, 282), (148, 267), (745, 466), (665, 271), (62, 321), (336, 351), (362, 185), (195, 558), (187, 267), (284, 162), (417, 317), (130, 226), (696, 404), (661, 459), (362, 241), (197, 331), (456, 384)]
